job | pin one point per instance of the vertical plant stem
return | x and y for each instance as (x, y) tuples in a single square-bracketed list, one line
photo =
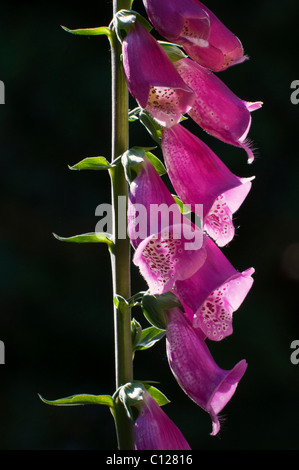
[(120, 253)]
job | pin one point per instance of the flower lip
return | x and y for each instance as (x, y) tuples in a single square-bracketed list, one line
[(224, 392), (214, 293), (163, 259), (219, 222), (215, 316)]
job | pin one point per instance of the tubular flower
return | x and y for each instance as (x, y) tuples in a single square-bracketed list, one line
[(170, 247), (195, 369), (152, 78), (216, 108), (214, 293), (147, 195), (154, 430), (200, 177), (192, 25), (163, 259)]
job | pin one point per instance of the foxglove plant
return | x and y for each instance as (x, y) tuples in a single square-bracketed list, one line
[(192, 288)]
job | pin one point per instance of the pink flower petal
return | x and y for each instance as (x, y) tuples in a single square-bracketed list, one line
[(159, 89), (216, 108), (203, 182), (222, 39), (196, 173), (163, 258), (151, 207), (154, 430), (195, 369), (214, 292), (219, 222), (192, 25), (171, 18), (215, 316)]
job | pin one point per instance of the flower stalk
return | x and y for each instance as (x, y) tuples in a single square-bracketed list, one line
[(120, 251)]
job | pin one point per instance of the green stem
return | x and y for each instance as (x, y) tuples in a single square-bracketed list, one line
[(120, 252)]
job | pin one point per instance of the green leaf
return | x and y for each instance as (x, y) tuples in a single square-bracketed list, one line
[(152, 312), (81, 399), (151, 126), (124, 20), (92, 163), (134, 114), (168, 300), (154, 306), (131, 160), (147, 120), (136, 331), (92, 237), (149, 337), (160, 398), (130, 395), (100, 31), (173, 51), (119, 301), (183, 208), (156, 162), (136, 298)]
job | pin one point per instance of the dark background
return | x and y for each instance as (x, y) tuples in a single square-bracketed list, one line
[(56, 313)]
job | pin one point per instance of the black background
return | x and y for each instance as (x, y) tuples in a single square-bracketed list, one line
[(56, 308)]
